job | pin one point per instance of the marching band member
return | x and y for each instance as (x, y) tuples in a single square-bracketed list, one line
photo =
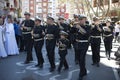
[(81, 37), (63, 43), (95, 40), (52, 35), (38, 36), (108, 37), (26, 27)]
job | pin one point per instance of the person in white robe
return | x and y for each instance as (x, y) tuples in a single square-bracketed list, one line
[(2, 39), (10, 43)]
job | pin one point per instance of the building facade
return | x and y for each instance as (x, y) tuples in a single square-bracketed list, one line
[(54, 8), (2, 4)]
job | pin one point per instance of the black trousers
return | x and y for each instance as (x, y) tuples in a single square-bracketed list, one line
[(108, 44), (95, 46), (116, 36), (63, 61), (29, 46), (22, 43), (76, 52), (82, 49), (38, 49), (50, 47)]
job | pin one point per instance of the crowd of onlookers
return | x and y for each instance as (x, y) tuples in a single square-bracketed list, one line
[(9, 30)]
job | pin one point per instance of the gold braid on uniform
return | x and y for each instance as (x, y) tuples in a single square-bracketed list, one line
[(61, 45), (81, 30), (107, 29), (98, 28)]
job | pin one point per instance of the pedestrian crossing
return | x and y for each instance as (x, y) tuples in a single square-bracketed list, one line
[(102, 47), (73, 68)]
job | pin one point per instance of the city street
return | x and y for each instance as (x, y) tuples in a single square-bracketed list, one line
[(56, 24), (12, 68)]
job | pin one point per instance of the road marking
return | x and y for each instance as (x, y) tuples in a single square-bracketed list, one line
[(21, 72), (116, 74), (69, 75), (42, 73), (32, 67), (54, 77), (20, 64)]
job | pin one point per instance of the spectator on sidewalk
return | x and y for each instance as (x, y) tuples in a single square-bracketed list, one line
[(2, 39), (117, 30), (10, 43), (17, 31)]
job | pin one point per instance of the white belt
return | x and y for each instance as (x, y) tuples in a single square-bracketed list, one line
[(62, 49), (26, 32), (49, 38), (82, 41), (38, 39), (107, 35), (96, 36)]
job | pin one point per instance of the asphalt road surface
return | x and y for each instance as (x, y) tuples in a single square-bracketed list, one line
[(12, 67)]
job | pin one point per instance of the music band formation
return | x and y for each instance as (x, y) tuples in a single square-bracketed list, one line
[(78, 34)]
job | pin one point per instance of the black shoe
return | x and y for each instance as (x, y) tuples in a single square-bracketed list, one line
[(37, 65), (52, 69), (80, 78), (31, 59), (21, 50), (108, 58), (97, 65), (66, 69), (59, 71), (76, 62), (41, 65), (26, 62), (93, 64)]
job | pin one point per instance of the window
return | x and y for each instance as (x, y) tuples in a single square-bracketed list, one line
[(26, 2), (50, 10), (44, 4), (49, 0), (38, 9), (31, 2), (50, 5), (57, 10), (44, 0), (39, 4), (38, 0), (44, 10)]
